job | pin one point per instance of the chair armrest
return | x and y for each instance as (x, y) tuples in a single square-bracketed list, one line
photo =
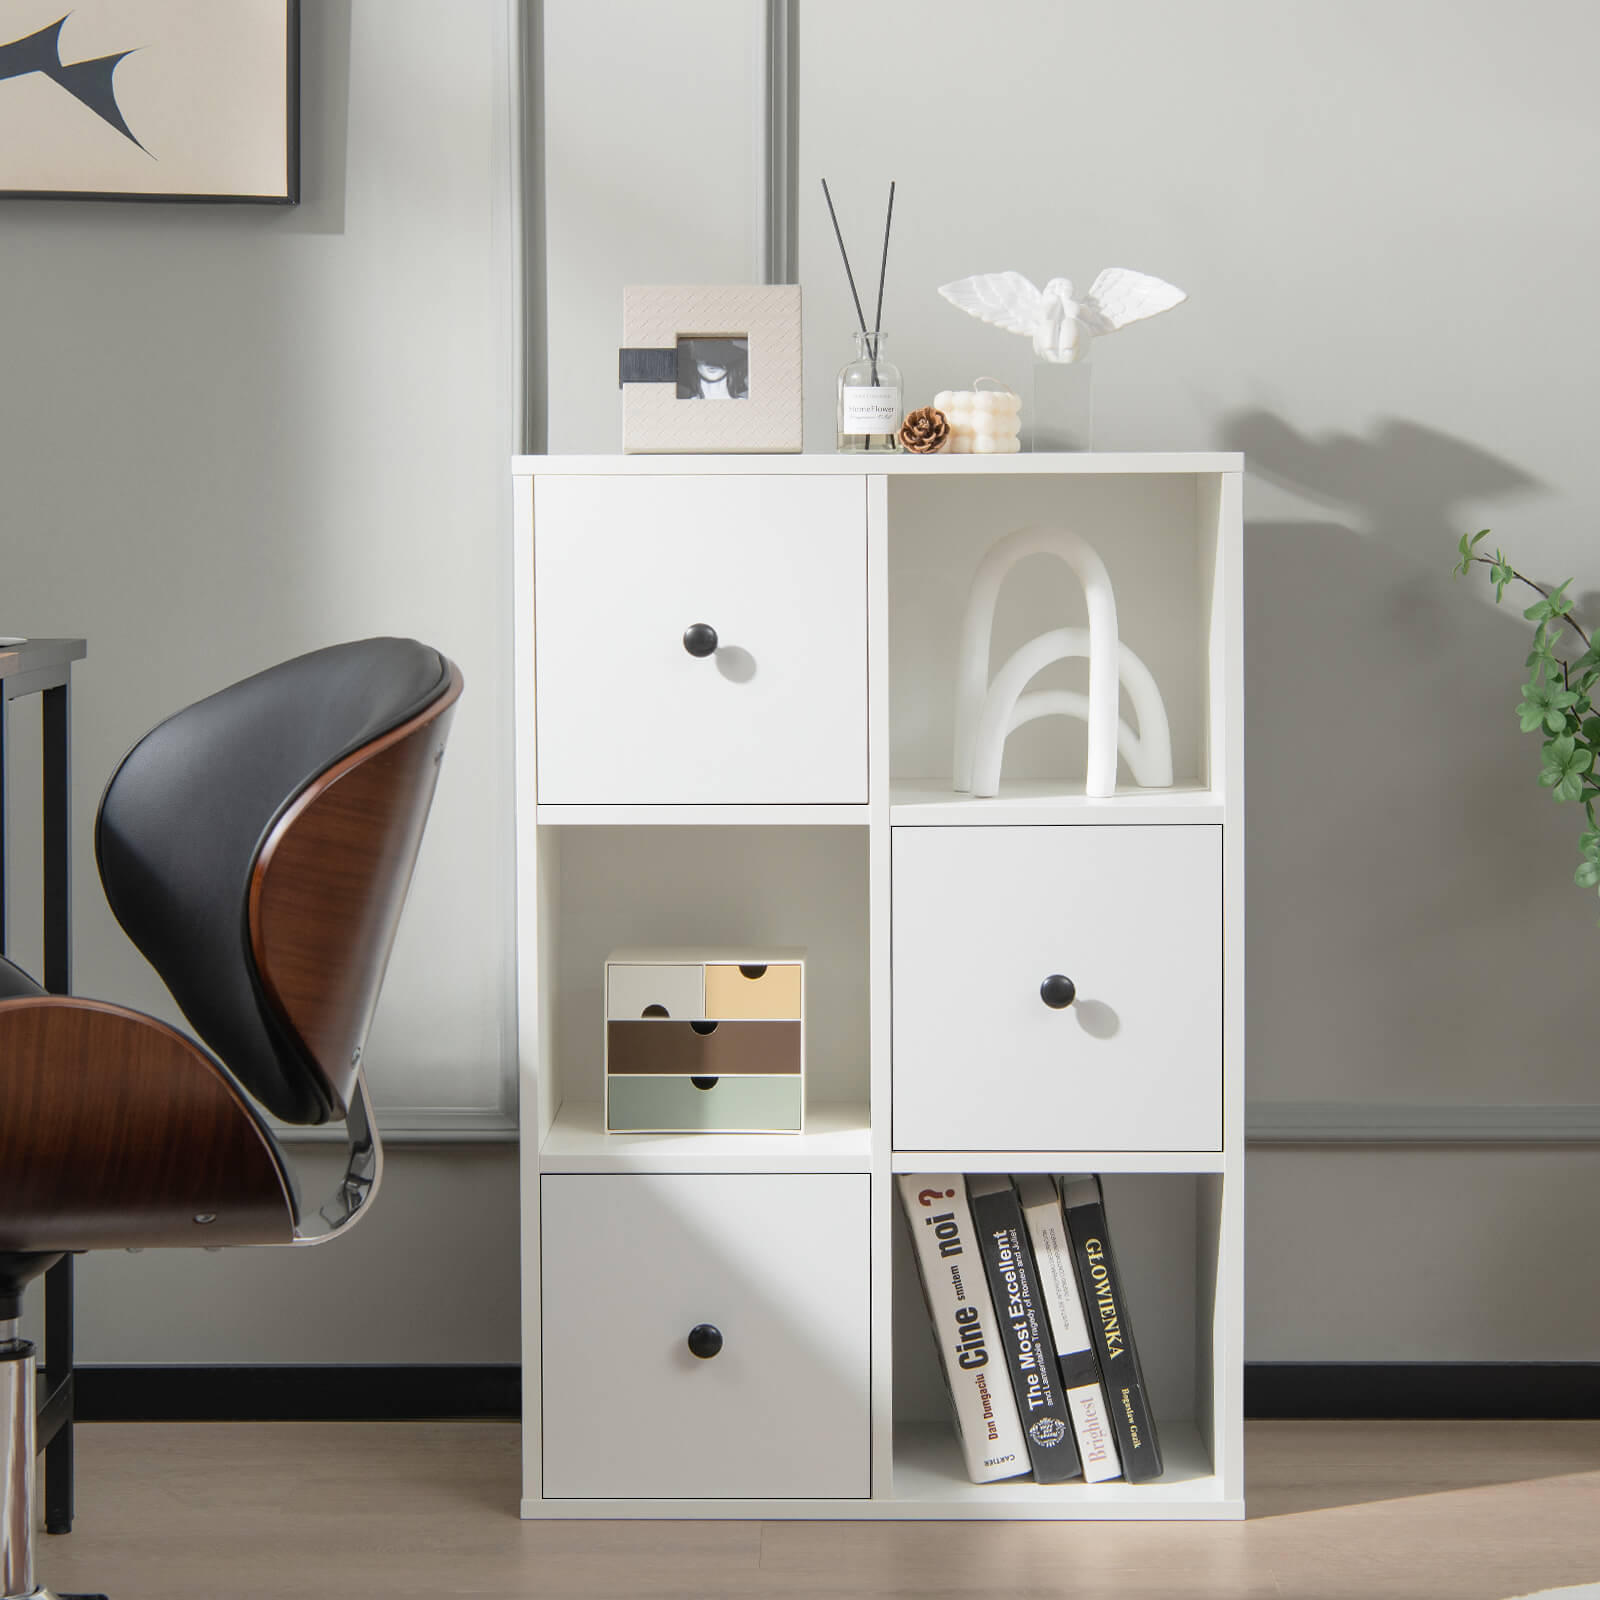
[(117, 1131)]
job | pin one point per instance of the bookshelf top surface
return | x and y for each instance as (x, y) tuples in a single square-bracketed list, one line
[(1069, 462)]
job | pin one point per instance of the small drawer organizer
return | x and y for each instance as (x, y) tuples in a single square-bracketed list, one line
[(705, 1041)]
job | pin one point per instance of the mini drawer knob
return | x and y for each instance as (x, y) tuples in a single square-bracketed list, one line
[(1058, 991), (700, 639), (705, 1340)]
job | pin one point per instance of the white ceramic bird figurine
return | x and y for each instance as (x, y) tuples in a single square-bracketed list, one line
[(1062, 326)]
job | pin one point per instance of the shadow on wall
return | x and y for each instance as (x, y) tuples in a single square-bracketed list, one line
[(1407, 878), (324, 117), (1406, 484)]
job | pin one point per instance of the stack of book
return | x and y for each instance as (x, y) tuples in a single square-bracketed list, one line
[(1032, 1327)]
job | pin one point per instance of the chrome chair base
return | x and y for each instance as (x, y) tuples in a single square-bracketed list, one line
[(16, 1471)]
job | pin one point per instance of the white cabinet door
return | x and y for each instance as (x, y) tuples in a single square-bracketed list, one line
[(983, 916), (775, 566), (777, 1264)]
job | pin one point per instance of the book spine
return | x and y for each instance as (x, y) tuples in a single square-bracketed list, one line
[(1101, 1285), (1024, 1332), (1069, 1328), (957, 1297)]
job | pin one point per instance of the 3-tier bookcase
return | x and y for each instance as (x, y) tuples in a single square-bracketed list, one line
[(792, 788)]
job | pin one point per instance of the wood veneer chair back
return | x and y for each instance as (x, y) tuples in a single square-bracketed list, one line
[(257, 848)]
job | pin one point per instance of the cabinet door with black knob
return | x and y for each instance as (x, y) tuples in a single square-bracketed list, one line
[(700, 639), (705, 1336), (1057, 988)]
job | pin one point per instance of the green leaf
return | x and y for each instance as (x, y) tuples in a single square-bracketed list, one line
[(1588, 874), (1465, 548), (1564, 766), (1553, 605), (1547, 704)]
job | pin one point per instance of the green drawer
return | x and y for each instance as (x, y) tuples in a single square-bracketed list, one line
[(639, 1104)]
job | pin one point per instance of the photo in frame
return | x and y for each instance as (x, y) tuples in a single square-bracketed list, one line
[(711, 369), (150, 100)]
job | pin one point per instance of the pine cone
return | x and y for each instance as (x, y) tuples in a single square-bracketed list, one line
[(925, 432)]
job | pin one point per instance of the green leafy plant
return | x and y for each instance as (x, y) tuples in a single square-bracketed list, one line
[(1558, 698)]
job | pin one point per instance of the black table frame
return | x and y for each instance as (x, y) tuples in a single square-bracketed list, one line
[(52, 682)]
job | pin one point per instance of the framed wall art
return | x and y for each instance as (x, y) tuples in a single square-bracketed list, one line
[(150, 100), (711, 368)]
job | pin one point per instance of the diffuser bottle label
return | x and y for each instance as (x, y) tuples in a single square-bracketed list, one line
[(869, 410)]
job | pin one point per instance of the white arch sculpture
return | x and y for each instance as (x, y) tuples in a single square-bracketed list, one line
[(987, 712)]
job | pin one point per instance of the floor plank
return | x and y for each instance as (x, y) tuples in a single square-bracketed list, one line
[(413, 1511)]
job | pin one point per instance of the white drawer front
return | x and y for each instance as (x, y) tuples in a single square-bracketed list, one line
[(626, 715), (680, 988), (1132, 915), (778, 1264)]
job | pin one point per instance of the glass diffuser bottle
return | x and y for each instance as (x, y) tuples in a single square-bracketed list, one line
[(869, 399)]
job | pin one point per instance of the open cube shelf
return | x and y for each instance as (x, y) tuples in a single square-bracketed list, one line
[(1157, 535), (1168, 1230)]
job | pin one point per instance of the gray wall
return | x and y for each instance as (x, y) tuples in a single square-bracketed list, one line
[(216, 424), (232, 433)]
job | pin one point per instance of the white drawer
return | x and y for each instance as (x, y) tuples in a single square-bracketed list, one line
[(982, 916), (679, 988), (624, 567), (778, 1264)]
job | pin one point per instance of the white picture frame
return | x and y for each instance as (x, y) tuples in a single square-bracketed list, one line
[(754, 409)]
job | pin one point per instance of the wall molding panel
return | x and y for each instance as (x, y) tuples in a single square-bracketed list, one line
[(1376, 1122), (776, 173)]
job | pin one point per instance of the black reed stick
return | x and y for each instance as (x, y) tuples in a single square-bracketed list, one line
[(877, 326), (845, 254)]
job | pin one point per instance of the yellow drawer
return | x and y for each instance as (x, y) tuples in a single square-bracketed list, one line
[(753, 993)]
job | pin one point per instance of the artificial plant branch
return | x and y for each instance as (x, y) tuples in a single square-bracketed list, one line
[(1563, 718)]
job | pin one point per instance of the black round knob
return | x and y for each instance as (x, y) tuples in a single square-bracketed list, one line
[(704, 1340), (1058, 992), (700, 639)]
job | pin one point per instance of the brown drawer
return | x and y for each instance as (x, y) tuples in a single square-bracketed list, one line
[(655, 1046)]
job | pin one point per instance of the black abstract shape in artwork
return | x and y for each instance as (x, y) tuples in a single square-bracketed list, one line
[(86, 81)]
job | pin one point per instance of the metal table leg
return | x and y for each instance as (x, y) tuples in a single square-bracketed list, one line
[(58, 1307)]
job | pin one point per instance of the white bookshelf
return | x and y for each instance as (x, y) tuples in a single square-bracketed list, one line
[(756, 798)]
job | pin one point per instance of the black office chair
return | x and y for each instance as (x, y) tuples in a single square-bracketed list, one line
[(257, 847)]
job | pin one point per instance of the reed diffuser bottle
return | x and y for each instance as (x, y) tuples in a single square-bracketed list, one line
[(869, 404), (869, 398)]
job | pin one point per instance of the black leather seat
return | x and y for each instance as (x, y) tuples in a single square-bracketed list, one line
[(257, 848)]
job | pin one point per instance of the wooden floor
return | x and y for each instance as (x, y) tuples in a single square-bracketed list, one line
[(401, 1511)]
